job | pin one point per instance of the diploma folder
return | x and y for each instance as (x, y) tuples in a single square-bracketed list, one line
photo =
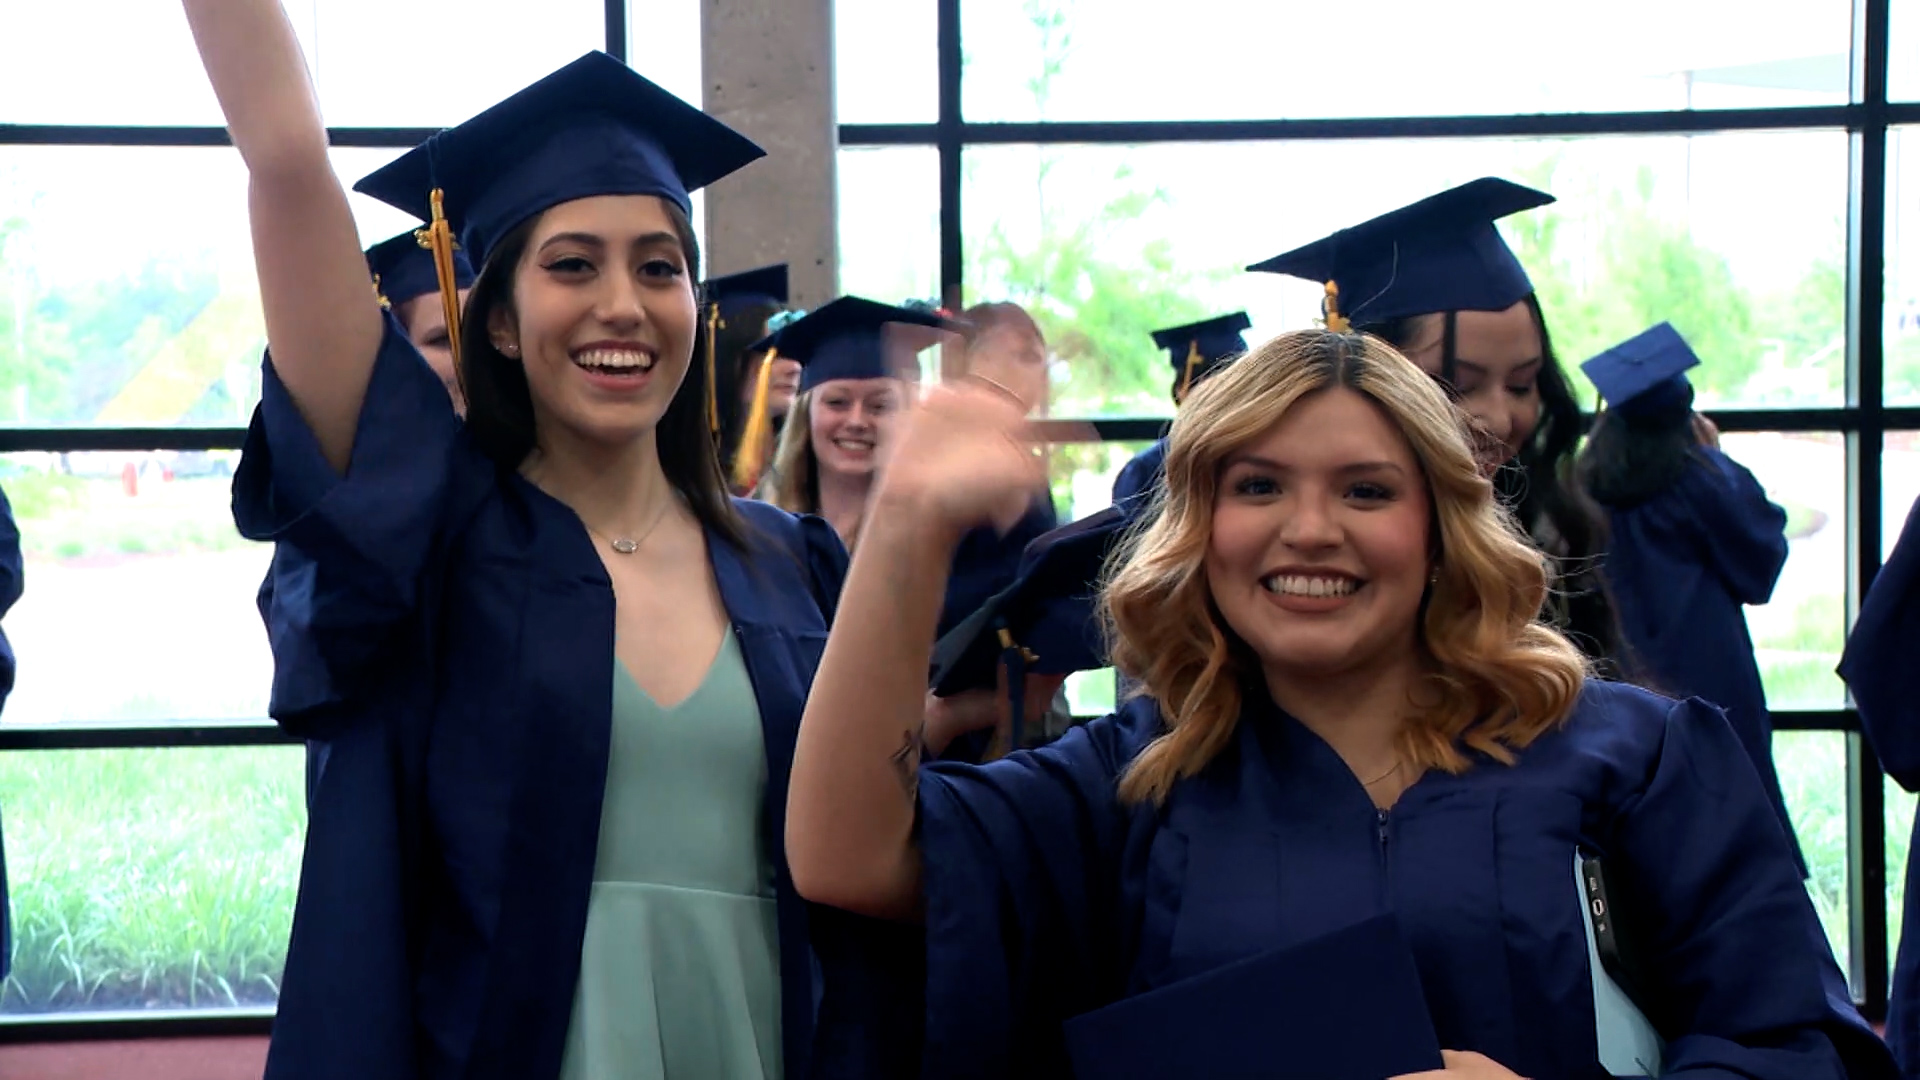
[(1346, 1006)]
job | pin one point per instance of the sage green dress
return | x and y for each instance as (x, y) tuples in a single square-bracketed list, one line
[(679, 972)]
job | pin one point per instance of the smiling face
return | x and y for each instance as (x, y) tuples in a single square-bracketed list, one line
[(603, 317), (1497, 360), (1318, 555), (852, 421), (425, 320)]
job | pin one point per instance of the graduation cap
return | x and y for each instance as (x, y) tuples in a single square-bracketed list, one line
[(850, 338), (1345, 1006), (594, 127), (1645, 374), (1042, 623), (1199, 349), (766, 286), (402, 269), (1442, 253)]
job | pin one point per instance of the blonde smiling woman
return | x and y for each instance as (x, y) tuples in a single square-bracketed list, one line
[(1352, 719)]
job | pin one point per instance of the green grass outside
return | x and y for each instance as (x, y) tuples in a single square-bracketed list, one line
[(145, 879)]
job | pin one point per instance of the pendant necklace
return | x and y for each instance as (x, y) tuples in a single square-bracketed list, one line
[(627, 545)]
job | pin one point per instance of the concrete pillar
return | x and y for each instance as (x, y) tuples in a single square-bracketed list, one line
[(769, 74)]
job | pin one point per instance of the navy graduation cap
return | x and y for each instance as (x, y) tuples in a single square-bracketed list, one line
[(1646, 373), (1442, 253), (1345, 1006), (849, 339), (1043, 623), (594, 127), (402, 268), (1198, 349), (767, 285)]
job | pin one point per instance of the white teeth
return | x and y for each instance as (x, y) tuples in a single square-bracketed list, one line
[(1300, 585), (614, 358), (852, 444)]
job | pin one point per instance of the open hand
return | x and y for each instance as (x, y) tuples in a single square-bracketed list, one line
[(1465, 1066), (967, 456)]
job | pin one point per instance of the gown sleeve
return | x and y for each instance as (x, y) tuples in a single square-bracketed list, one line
[(352, 550), (13, 583), (1023, 923), (1878, 663), (1744, 985), (1745, 532)]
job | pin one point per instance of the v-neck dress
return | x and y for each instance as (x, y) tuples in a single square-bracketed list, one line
[(679, 970)]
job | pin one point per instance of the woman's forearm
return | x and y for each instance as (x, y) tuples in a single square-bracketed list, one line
[(323, 322), (850, 808)]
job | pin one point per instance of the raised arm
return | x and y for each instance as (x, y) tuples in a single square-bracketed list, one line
[(850, 807), (323, 321)]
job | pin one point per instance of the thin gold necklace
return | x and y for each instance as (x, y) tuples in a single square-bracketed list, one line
[(626, 545), (1384, 775)]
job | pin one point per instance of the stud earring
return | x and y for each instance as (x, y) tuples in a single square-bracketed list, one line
[(509, 349), (1434, 577)]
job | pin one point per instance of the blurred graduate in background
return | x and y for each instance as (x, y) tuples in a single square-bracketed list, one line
[(1693, 540)]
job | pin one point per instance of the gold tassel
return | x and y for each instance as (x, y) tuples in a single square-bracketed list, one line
[(1336, 322), (1193, 361), (385, 304), (750, 458), (713, 386), (439, 240)]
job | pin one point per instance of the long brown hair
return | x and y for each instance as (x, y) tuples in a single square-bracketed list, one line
[(792, 482), (1500, 676), (500, 404)]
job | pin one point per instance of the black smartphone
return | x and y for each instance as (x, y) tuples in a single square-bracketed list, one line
[(1611, 936)]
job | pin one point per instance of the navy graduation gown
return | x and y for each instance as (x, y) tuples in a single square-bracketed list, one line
[(1879, 668), (445, 629), (1142, 474), (1682, 566), (13, 580), (1046, 898), (985, 562)]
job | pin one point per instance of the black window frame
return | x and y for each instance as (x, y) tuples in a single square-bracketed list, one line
[(1864, 419)]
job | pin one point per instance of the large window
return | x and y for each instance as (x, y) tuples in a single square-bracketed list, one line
[(1736, 168), (153, 817)]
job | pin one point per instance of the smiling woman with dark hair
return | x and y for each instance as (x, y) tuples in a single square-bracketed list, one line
[(1347, 827), (556, 671)]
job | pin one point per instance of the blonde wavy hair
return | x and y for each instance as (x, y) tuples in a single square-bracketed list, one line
[(1499, 676), (789, 483)]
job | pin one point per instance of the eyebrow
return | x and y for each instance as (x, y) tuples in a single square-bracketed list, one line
[(594, 241), (1351, 469)]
